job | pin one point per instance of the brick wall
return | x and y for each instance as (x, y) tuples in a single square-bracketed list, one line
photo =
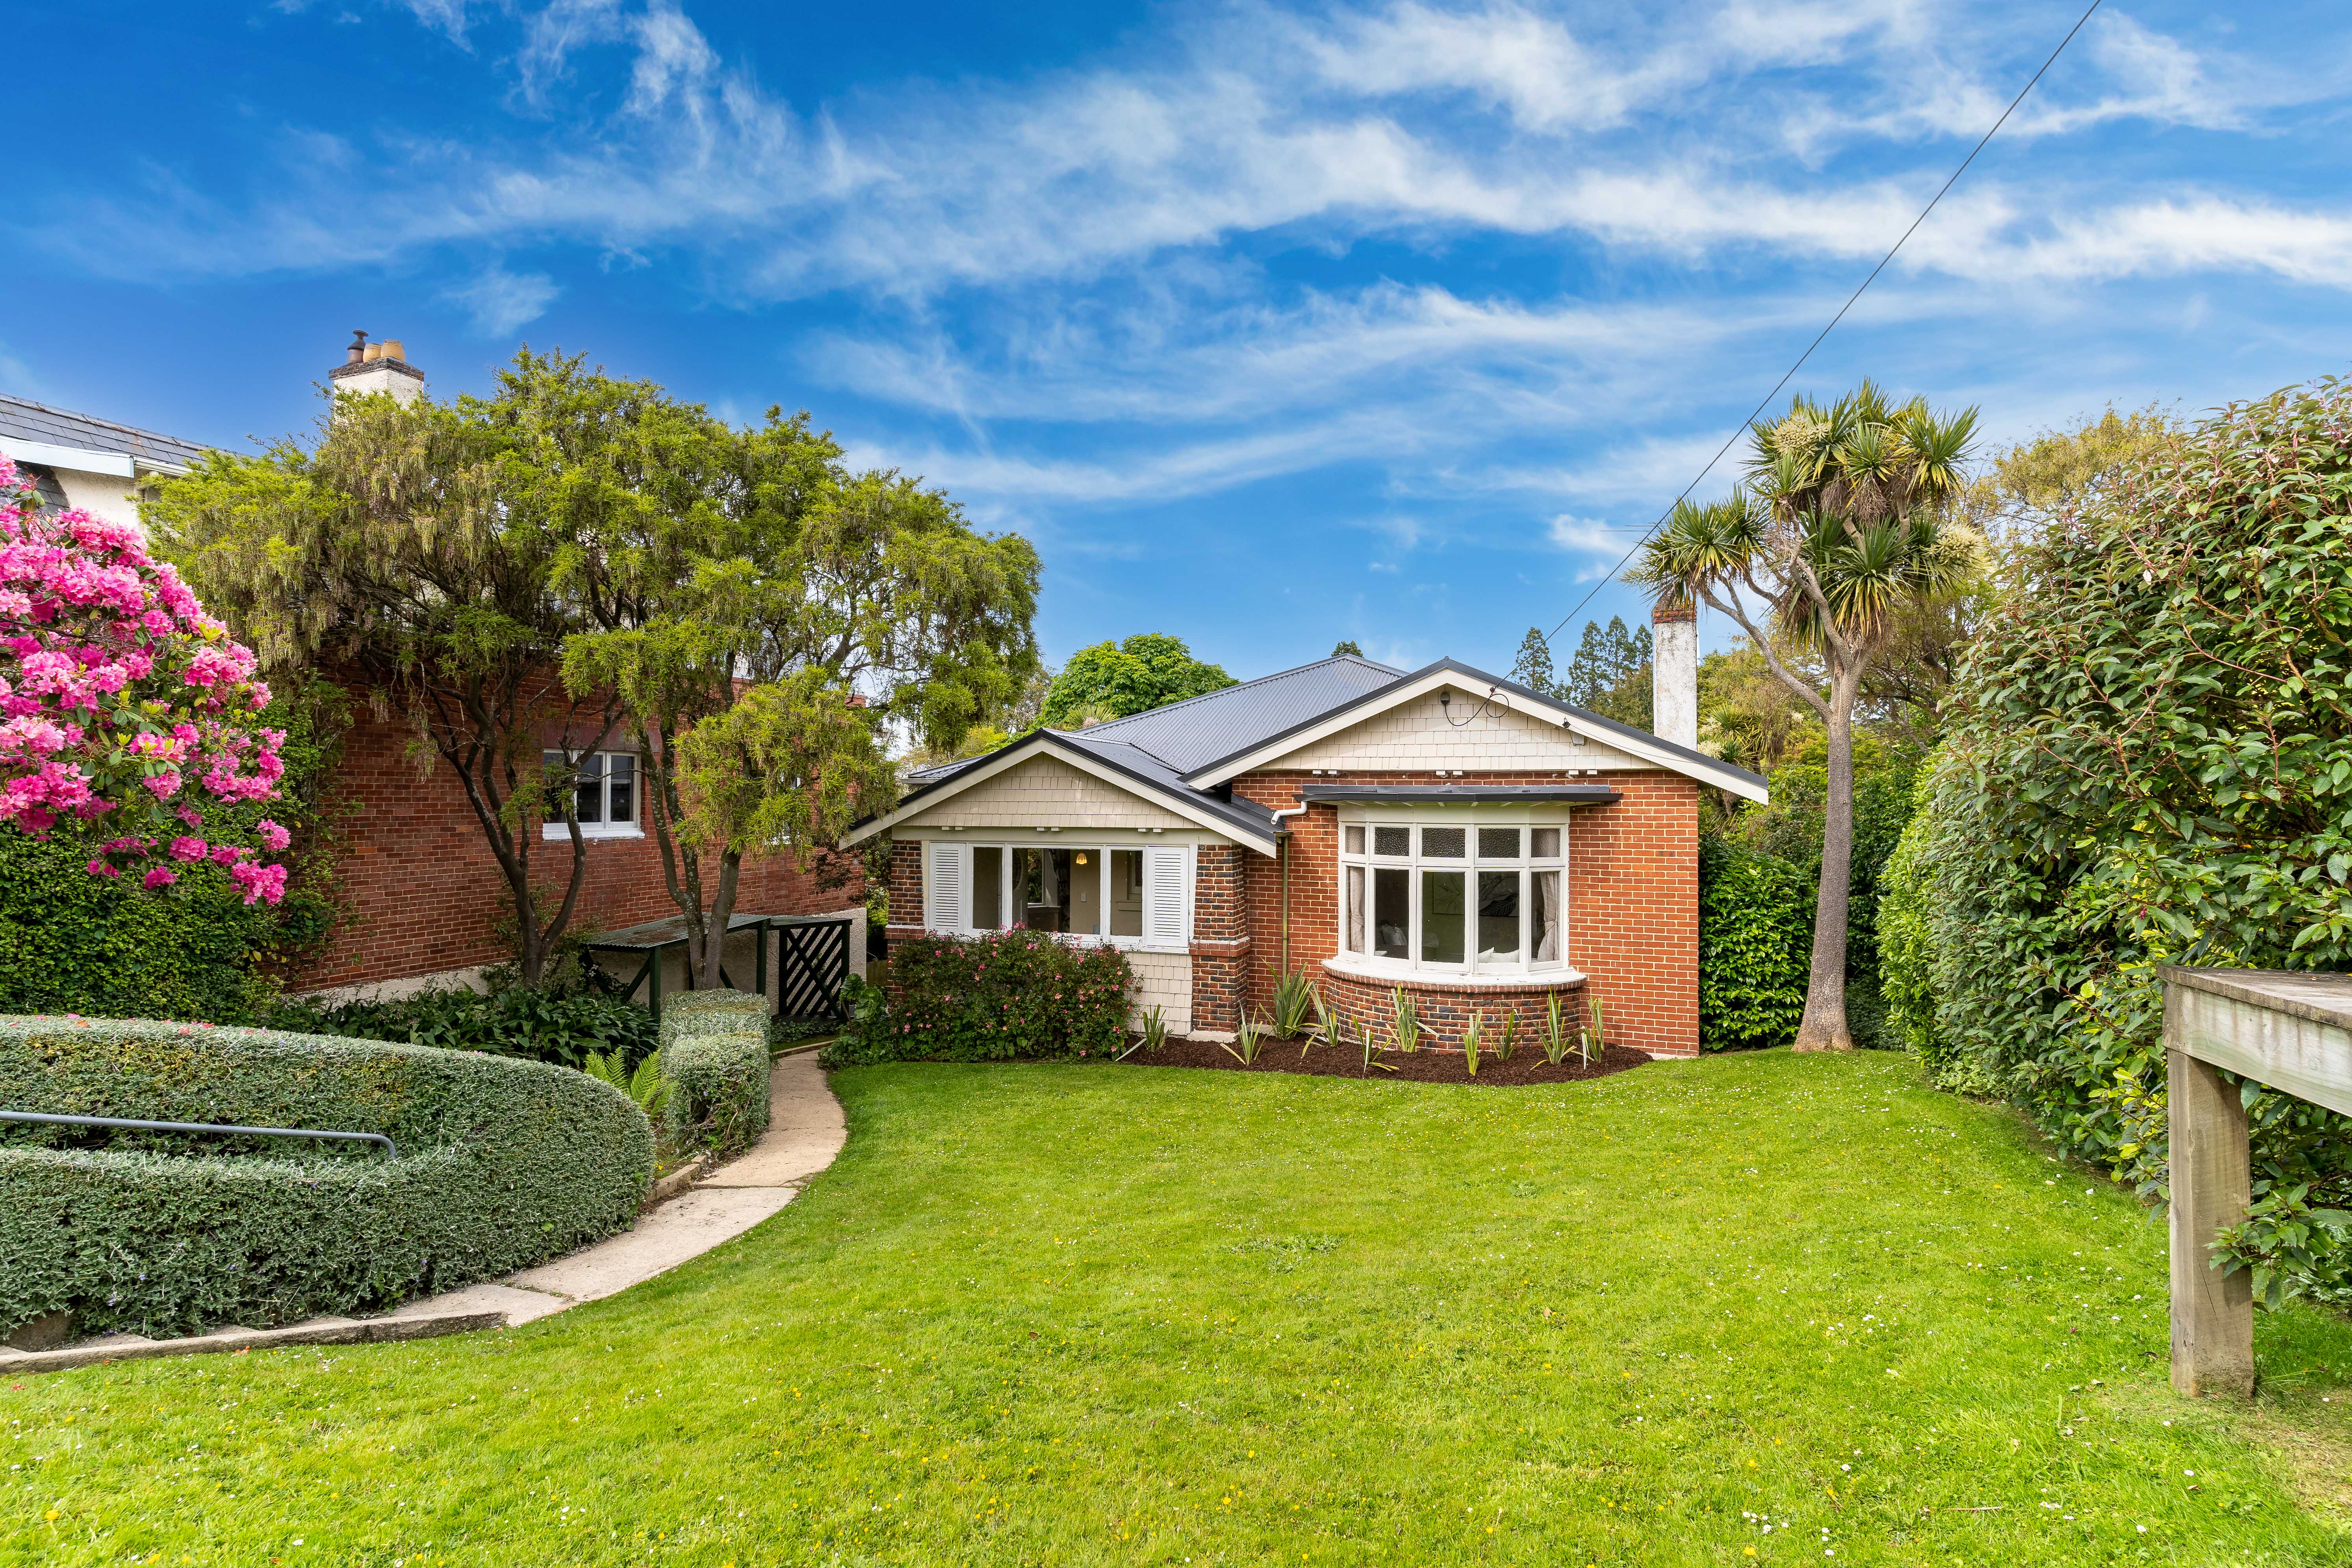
[(423, 887), (1633, 900), (1444, 1010), (906, 889), (1220, 936)]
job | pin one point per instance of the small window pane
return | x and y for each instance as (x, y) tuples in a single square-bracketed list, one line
[(1444, 843), (1498, 916), (1547, 843), (1547, 913), (1442, 915), (1498, 844), (1041, 886), (1354, 931), (988, 887), (621, 773), (1355, 841), (1126, 892), (552, 768), (592, 787), (1392, 840), (1391, 911)]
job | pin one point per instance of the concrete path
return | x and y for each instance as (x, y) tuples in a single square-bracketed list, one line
[(805, 1130)]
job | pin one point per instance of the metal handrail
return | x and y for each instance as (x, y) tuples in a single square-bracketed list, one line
[(43, 1116)]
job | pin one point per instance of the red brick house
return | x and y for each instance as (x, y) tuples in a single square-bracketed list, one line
[(421, 888), (1468, 841)]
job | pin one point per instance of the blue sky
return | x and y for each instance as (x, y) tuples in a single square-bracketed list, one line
[(1269, 326)]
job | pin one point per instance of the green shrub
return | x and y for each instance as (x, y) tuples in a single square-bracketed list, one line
[(722, 1011), (502, 1164), (993, 997), (539, 1025), (2146, 763), (718, 1096), (1755, 946)]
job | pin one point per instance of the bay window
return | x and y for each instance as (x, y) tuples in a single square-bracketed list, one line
[(1463, 894)]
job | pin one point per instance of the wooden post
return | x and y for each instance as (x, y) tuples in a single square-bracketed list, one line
[(2213, 1313)]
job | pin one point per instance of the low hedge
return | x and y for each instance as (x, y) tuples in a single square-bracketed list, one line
[(714, 1056), (502, 1164), (998, 996), (541, 1025)]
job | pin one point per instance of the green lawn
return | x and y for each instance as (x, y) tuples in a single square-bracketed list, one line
[(1098, 1314)]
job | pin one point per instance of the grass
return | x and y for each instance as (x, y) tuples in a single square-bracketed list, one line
[(1103, 1314)]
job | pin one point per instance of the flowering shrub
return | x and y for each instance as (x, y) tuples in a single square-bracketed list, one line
[(121, 702), (991, 997)]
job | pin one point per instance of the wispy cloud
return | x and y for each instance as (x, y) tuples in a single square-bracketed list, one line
[(500, 301)]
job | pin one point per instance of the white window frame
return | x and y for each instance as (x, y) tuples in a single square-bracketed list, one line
[(1164, 863), (1470, 863), (554, 827)]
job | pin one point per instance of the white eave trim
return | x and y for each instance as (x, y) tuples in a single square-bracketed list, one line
[(1078, 757), (1737, 780), (82, 460)]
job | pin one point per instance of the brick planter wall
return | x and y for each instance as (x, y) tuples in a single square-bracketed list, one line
[(1633, 897), (1444, 1009)]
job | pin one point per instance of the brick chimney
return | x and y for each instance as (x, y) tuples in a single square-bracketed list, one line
[(1674, 676), (376, 367)]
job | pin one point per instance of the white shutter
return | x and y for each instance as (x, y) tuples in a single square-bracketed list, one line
[(1167, 896), (943, 880)]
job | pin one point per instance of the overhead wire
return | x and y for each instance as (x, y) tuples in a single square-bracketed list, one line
[(1761, 403)]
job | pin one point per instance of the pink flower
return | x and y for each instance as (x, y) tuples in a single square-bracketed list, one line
[(229, 854), (265, 883), (101, 868), (186, 848), (163, 876), (272, 835), (163, 786)]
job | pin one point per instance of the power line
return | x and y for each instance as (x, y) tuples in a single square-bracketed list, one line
[(1825, 331)]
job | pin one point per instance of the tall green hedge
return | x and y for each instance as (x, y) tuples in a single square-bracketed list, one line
[(1755, 946), (2149, 760), (502, 1165), (991, 997), (714, 1056)]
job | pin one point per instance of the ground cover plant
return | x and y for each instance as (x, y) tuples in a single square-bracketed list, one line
[(564, 1027), (1632, 1321)]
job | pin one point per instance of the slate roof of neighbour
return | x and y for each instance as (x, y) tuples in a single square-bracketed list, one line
[(29, 421)]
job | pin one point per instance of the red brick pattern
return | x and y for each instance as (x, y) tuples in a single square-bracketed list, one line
[(1221, 936), (1445, 1010), (423, 887), (906, 889), (1632, 903)]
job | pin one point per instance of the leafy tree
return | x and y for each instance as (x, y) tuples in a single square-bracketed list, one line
[(1610, 673), (1347, 645), (1112, 680), (1837, 531), (764, 623), (1532, 668), (407, 551)]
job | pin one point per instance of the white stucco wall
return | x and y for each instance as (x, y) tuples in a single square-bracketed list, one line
[(107, 497), (1045, 791), (1419, 737)]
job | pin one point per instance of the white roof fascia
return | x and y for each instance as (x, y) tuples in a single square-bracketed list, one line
[(1076, 756), (80, 460), (1388, 697)]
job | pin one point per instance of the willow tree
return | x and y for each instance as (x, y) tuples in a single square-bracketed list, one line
[(1839, 532), (768, 626), (402, 553)]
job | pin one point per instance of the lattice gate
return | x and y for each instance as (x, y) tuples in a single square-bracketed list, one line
[(812, 962)]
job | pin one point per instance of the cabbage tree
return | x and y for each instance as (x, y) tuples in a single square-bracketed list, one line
[(1840, 533)]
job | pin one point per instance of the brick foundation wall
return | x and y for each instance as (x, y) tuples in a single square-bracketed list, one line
[(423, 889), (1445, 1010), (1633, 900)]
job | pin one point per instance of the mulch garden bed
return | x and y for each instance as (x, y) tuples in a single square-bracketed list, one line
[(1428, 1065)]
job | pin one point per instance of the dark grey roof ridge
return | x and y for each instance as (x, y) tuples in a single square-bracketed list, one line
[(1167, 708), (135, 431)]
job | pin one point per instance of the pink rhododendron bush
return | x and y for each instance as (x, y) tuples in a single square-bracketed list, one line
[(123, 704)]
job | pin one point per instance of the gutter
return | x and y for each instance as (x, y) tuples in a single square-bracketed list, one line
[(1283, 843)]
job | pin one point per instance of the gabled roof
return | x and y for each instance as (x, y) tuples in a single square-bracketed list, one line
[(35, 433), (1184, 755)]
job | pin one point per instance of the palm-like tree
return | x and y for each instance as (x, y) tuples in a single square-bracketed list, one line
[(1837, 532)]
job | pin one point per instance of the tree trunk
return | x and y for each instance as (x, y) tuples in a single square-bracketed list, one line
[(1825, 1026), (714, 933)]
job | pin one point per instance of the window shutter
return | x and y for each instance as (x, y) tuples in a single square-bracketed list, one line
[(943, 887), (1167, 896)]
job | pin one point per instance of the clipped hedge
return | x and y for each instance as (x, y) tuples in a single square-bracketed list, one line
[(714, 1056), (502, 1165), (543, 1026), (994, 997), (1755, 946)]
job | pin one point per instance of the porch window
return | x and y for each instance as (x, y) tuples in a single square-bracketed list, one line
[(1463, 894), (1094, 890), (605, 792)]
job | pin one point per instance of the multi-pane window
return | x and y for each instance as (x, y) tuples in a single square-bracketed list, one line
[(604, 792), (1100, 890), (1476, 897)]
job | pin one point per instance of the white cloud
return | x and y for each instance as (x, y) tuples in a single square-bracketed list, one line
[(500, 301)]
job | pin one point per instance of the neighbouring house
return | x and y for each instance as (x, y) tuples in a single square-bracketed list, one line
[(421, 889), (1440, 831)]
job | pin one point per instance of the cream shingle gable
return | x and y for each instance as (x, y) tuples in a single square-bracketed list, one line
[(1419, 736), (1045, 791)]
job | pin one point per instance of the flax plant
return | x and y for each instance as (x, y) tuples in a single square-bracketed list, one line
[(1408, 1021), (1470, 1037), (1249, 1040), (1555, 1045)]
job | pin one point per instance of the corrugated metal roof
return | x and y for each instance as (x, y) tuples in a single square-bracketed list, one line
[(30, 421), (1184, 735)]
